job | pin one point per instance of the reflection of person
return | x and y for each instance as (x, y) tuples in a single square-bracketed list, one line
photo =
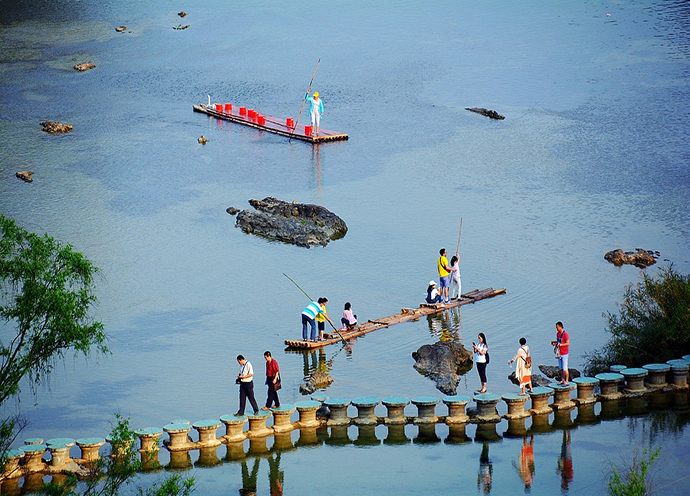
[(455, 277), (480, 350), (563, 344), (349, 319), (276, 477), (523, 370), (316, 111), (565, 463), (443, 274), (432, 294), (246, 378), (272, 371), (526, 468), (485, 469), (249, 480)]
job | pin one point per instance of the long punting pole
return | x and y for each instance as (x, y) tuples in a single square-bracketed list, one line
[(302, 107), (311, 299), (457, 250)]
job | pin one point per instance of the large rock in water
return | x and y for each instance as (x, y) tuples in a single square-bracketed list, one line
[(492, 114), (538, 380), (640, 258), (317, 380), (301, 224), (443, 362), (56, 127), (553, 372)]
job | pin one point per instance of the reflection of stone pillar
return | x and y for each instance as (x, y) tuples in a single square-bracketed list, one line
[(486, 432), (561, 398), (90, 447), (426, 434), (457, 434), (659, 400), (257, 446), (233, 428), (208, 457), (680, 401), (516, 406), (180, 460), (257, 425), (338, 436), (338, 409), (634, 380), (608, 385), (635, 406), (486, 408), (33, 457), (282, 441), (656, 377), (540, 424), (207, 432), (679, 370), (562, 419), (308, 437), (307, 413), (366, 435), (516, 428), (585, 390), (365, 410), (10, 487), (396, 435), (395, 405), (456, 409), (235, 451), (179, 438), (281, 418), (33, 483), (586, 415), (426, 410), (611, 410)]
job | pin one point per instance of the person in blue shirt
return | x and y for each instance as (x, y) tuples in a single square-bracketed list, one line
[(316, 111)]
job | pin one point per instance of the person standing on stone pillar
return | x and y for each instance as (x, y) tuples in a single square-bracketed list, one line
[(246, 381)]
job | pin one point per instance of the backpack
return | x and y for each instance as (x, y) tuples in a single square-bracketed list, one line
[(528, 362)]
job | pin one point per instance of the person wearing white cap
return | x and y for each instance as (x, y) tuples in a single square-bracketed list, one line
[(432, 294)]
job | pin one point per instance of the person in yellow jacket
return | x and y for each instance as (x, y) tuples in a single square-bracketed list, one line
[(444, 271), (321, 317)]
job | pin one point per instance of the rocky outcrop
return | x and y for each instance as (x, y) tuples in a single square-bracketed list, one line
[(26, 176), (443, 362), (56, 127), (538, 380), (301, 224), (553, 371), (488, 113), (640, 258), (84, 66), (317, 380)]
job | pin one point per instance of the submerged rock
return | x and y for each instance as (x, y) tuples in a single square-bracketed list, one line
[(317, 380), (538, 380), (301, 224), (121, 29), (26, 176), (443, 362), (232, 210), (553, 371), (56, 127), (488, 113), (182, 14), (181, 27), (84, 66), (640, 258)]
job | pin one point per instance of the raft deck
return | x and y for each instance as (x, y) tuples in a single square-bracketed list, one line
[(405, 315), (271, 124)]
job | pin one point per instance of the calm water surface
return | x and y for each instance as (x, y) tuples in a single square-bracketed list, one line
[(592, 156)]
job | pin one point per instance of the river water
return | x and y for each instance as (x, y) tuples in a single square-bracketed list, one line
[(593, 155)]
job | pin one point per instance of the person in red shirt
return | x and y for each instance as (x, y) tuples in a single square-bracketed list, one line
[(272, 377), (563, 344)]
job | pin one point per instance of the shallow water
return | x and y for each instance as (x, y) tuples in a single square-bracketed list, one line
[(592, 156)]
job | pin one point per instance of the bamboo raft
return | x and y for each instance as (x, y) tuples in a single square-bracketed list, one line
[(405, 315), (276, 125)]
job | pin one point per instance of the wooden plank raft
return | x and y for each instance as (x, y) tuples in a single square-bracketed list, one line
[(269, 123), (405, 315)]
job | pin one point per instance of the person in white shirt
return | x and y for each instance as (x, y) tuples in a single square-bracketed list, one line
[(246, 381)]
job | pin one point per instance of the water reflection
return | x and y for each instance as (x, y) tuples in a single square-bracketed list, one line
[(565, 463), (445, 326), (316, 166), (486, 470), (249, 478), (276, 477), (525, 465)]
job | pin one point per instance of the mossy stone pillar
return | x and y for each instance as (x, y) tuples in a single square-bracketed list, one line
[(426, 406), (234, 426), (585, 390), (59, 452), (90, 447), (561, 396), (656, 377), (12, 464), (33, 457), (365, 410), (516, 406), (307, 414), (679, 371), (540, 400), (207, 433), (257, 425), (338, 409), (395, 406), (281, 418), (321, 398), (634, 380), (608, 386), (456, 409), (148, 438), (179, 437)]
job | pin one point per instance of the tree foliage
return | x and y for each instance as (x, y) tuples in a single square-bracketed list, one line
[(46, 294), (653, 324)]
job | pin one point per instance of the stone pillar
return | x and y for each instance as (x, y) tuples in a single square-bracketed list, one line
[(540, 400), (321, 398), (59, 451), (634, 380), (148, 439), (585, 390), (338, 409), (179, 439), (307, 414), (516, 406), (656, 377), (281, 418), (456, 409), (561, 398), (365, 411), (679, 370), (257, 425), (90, 447), (426, 407), (616, 369), (608, 385), (207, 433), (234, 426), (33, 457), (12, 465), (395, 405)]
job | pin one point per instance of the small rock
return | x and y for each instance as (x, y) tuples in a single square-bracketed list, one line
[(85, 66), (538, 380), (202, 140), (182, 14), (180, 27), (640, 258), (317, 380), (56, 127), (121, 29), (485, 112), (232, 210), (553, 371), (26, 176)]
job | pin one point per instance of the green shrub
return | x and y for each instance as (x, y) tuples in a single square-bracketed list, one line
[(633, 480)]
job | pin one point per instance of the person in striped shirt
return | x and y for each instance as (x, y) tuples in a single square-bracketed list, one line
[(309, 317)]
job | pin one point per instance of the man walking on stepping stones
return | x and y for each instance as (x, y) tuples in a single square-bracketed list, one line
[(246, 382), (563, 344)]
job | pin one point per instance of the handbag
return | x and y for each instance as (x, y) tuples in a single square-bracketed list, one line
[(278, 384), (487, 357)]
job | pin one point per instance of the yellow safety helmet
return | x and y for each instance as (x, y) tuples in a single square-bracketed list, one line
[(316, 94)]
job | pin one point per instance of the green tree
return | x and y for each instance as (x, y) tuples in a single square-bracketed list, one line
[(653, 324), (46, 293)]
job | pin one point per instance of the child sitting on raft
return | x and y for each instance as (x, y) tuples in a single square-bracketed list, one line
[(432, 294), (349, 319)]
